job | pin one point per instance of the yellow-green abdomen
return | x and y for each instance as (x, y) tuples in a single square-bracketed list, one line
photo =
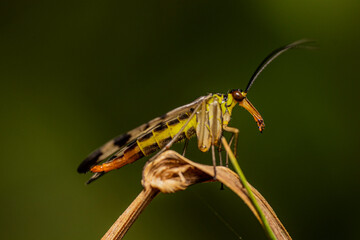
[(165, 131)]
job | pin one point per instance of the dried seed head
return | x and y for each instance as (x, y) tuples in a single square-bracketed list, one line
[(169, 173)]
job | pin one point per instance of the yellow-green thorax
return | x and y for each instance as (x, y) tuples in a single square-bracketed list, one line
[(226, 102), (210, 119)]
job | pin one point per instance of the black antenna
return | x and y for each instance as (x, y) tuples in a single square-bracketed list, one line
[(274, 54)]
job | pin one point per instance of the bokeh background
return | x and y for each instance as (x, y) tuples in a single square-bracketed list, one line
[(76, 73)]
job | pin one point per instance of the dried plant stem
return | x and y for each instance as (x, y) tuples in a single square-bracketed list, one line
[(170, 172), (125, 221)]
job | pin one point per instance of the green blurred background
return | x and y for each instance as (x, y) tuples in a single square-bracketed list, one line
[(76, 73)]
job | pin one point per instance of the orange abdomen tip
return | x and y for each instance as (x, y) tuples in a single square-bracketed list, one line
[(97, 168)]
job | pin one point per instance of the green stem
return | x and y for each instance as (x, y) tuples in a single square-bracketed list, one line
[(234, 162)]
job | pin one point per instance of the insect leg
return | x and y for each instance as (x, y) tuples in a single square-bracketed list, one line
[(221, 164), (185, 146), (220, 156), (235, 133), (213, 160), (227, 154), (202, 129)]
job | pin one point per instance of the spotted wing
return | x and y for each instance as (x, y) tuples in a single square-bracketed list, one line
[(119, 143)]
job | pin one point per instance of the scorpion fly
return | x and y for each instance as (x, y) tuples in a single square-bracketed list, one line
[(206, 118)]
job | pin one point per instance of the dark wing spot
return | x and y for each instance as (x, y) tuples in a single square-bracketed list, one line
[(121, 140), (150, 149), (165, 141), (145, 137), (162, 126), (173, 122), (147, 125), (89, 161), (131, 143), (191, 131), (181, 137), (183, 116), (163, 116)]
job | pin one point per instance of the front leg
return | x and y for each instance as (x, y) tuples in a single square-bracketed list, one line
[(235, 133)]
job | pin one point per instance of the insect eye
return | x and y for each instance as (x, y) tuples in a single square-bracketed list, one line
[(237, 95)]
